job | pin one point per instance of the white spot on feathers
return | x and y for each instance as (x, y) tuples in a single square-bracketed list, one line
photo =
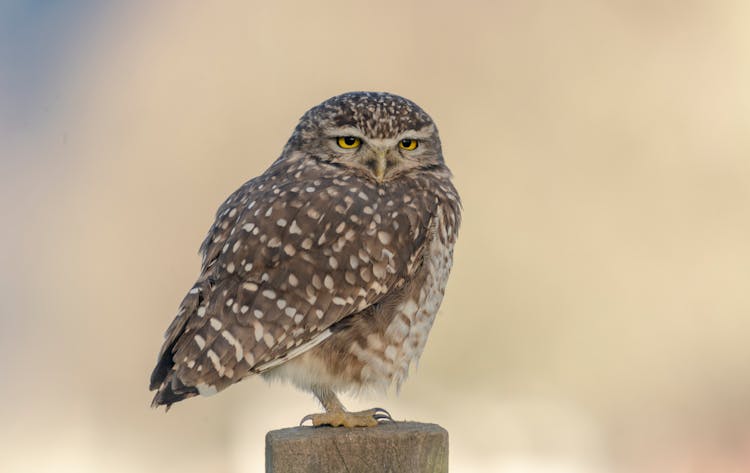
[(238, 351), (258, 330), (384, 237), (294, 228), (215, 361), (250, 286), (206, 389)]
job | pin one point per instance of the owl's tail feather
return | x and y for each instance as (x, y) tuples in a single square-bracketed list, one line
[(172, 390), (169, 388)]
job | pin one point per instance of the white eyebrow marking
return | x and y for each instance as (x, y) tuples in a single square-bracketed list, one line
[(345, 131), (383, 143), (422, 133)]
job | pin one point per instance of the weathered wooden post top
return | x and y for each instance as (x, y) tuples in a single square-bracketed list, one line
[(392, 447)]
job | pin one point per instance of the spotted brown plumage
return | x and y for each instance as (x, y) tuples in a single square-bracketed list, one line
[(327, 269)]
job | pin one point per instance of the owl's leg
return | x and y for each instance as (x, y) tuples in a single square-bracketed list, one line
[(336, 416)]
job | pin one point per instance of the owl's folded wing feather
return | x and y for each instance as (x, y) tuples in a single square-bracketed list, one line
[(283, 262)]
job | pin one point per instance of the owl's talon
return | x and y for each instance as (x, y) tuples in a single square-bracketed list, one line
[(381, 414), (368, 418)]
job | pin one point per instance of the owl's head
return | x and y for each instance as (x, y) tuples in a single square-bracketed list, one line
[(377, 135)]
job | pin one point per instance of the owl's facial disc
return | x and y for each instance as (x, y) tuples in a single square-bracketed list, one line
[(380, 158), (377, 157)]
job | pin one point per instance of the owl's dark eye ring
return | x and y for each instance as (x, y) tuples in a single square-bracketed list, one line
[(348, 142), (408, 144)]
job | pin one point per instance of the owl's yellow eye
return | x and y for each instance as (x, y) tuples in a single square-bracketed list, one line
[(348, 142), (408, 144)]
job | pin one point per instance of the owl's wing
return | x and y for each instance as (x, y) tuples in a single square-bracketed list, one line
[(282, 263)]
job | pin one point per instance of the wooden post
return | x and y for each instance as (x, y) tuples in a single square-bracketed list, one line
[(392, 447)]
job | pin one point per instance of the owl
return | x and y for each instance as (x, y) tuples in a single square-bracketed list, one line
[(328, 269)]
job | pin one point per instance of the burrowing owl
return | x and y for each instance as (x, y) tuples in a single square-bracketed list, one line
[(326, 270)]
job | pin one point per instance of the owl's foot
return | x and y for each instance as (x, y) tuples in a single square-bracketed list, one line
[(368, 418)]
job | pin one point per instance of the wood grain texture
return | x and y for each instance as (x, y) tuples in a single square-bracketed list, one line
[(392, 447)]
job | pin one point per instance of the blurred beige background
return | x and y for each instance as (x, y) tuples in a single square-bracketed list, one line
[(598, 313)]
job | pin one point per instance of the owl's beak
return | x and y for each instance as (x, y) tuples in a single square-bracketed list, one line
[(381, 163), (380, 160)]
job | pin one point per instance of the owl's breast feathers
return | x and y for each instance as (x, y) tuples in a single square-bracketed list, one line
[(292, 253)]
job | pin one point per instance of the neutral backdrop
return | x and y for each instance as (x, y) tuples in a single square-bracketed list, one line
[(598, 313)]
